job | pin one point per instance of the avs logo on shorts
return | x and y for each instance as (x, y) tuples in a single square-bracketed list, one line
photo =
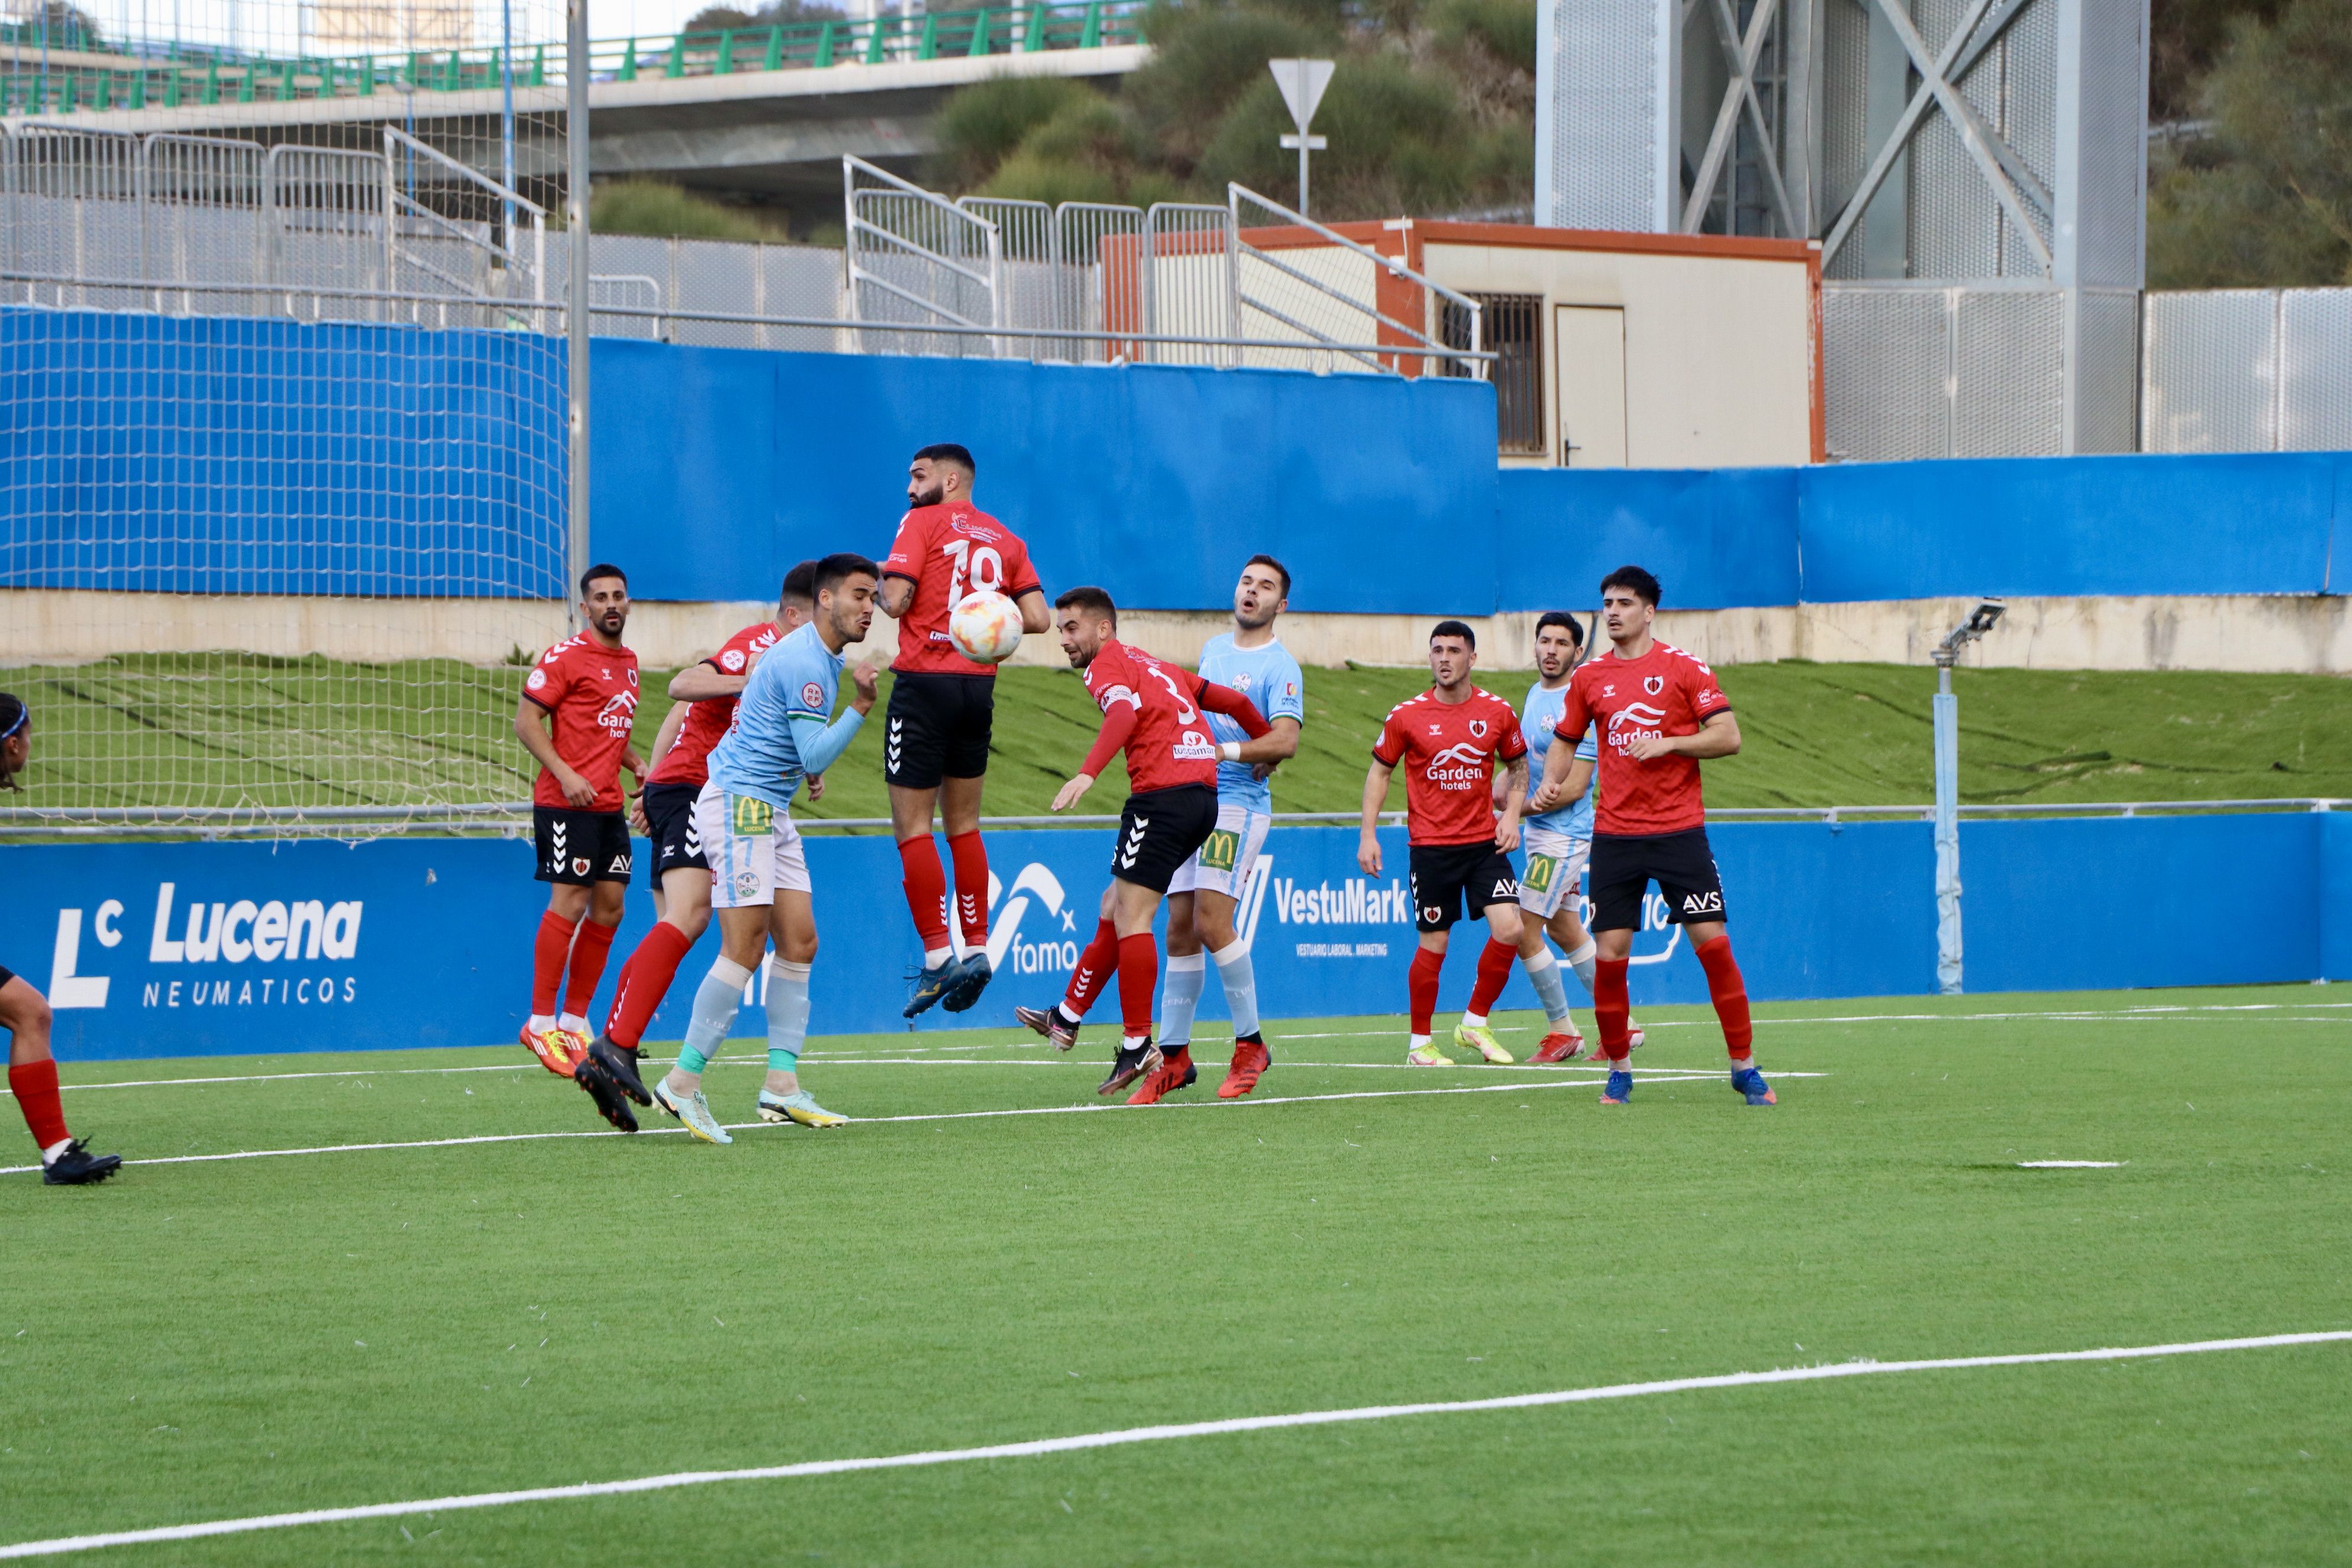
[(1703, 903)]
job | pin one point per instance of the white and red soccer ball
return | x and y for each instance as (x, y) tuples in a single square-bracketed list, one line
[(985, 626)]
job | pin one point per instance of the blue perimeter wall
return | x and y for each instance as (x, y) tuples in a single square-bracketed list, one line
[(433, 945), (213, 456)]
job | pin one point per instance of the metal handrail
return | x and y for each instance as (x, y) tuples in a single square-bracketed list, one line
[(1235, 193)]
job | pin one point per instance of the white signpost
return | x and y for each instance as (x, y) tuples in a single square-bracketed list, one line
[(1302, 83)]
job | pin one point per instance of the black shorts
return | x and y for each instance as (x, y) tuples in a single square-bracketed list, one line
[(7, 975), (937, 728), (1444, 876), (1622, 869), (577, 848), (1159, 830), (669, 813)]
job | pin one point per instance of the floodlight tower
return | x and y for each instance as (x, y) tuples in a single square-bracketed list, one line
[(1947, 793)]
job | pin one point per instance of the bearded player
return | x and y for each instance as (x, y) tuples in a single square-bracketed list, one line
[(1659, 713), (1207, 888), (703, 697), (1154, 712), (585, 689), (1451, 740), (24, 1015), (935, 745)]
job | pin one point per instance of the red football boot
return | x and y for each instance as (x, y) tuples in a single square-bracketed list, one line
[(1175, 1071), (1250, 1058), (1560, 1045)]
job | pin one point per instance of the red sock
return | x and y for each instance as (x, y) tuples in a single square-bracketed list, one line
[(546, 962), (35, 1085), (1729, 992), (644, 981), (1611, 1006), (1421, 985), (927, 891), (588, 951), (1494, 961), (970, 858), (1138, 977), (1094, 971)]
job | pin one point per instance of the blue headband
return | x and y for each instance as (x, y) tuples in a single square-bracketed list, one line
[(22, 714)]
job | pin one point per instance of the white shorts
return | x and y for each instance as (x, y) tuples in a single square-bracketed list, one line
[(753, 849), (1222, 864), (1555, 867)]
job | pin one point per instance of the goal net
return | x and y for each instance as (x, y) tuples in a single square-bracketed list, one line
[(283, 393)]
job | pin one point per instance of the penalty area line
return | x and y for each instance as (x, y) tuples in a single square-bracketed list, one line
[(1131, 1435)]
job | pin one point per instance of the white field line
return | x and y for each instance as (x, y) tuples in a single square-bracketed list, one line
[(1549, 1081), (1126, 1435), (2070, 1165)]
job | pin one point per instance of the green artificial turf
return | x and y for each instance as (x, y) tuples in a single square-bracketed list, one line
[(214, 1340), (233, 729)]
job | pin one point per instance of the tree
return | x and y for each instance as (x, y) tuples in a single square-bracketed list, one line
[(2267, 200)]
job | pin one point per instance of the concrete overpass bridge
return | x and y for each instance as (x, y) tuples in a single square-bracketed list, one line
[(765, 112)]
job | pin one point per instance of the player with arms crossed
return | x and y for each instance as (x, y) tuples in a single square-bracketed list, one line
[(1659, 713), (1451, 740), (935, 748), (703, 706), (25, 1015), (785, 729), (1207, 888), (585, 690), (1153, 711), (1558, 843)]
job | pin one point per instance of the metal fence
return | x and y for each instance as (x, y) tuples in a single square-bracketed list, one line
[(2248, 370)]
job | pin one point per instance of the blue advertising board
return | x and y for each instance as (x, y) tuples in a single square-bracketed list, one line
[(213, 949)]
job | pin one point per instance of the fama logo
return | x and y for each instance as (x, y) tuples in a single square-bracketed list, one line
[(239, 932), (1035, 888)]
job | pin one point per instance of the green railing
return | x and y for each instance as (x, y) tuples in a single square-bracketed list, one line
[(176, 77)]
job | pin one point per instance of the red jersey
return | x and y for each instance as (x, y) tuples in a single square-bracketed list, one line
[(1664, 692), (687, 761), (945, 552), (592, 690), (1450, 751), (1170, 745)]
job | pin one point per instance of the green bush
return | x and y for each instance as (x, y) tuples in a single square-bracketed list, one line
[(653, 208)]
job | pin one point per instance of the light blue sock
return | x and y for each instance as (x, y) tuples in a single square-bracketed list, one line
[(1180, 996), (715, 1002), (1543, 973), (788, 1013), (1241, 988), (1582, 960)]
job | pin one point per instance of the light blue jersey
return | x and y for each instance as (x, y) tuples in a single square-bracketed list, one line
[(780, 734), (1538, 715), (1269, 677)]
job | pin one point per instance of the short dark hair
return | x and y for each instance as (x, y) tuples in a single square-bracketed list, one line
[(1279, 570), (1561, 618), (13, 717), (1093, 600), (1643, 586), (602, 569), (1455, 629), (800, 583), (948, 452), (837, 568)]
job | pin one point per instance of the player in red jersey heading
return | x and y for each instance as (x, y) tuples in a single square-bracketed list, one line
[(1659, 713), (585, 690), (1155, 712), (935, 741), (1451, 741), (703, 695)]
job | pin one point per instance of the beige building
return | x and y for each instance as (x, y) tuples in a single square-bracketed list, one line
[(390, 26)]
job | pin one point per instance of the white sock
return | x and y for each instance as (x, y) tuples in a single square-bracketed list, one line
[(1129, 1042), (49, 1155), (935, 956), (1061, 1010), (1418, 1042), (1543, 974), (1240, 980), (1581, 962), (573, 1022), (1180, 996), (541, 1022), (1473, 1020)]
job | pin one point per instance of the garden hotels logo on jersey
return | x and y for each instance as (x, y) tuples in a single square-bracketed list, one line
[(233, 953)]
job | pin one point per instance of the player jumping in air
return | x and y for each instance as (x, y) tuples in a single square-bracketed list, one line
[(1155, 711), (585, 688), (704, 697), (1207, 888), (785, 729), (25, 1015), (1558, 843), (1659, 713), (1451, 740), (935, 748)]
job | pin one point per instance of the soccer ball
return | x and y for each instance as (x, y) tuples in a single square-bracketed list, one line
[(985, 626)]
